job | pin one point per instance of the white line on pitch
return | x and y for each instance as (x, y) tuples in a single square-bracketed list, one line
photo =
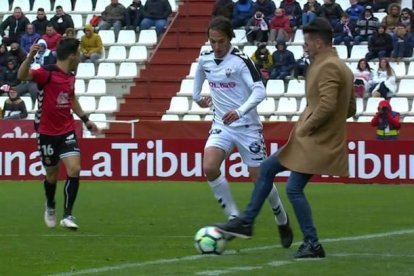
[(196, 257)]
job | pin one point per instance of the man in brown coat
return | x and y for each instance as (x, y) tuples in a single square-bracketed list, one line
[(317, 143)]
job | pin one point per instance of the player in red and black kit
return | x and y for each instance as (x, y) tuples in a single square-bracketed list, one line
[(56, 126)]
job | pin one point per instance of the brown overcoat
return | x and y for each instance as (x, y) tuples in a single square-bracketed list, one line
[(317, 143)]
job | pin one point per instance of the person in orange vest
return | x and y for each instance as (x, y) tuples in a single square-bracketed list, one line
[(387, 122)]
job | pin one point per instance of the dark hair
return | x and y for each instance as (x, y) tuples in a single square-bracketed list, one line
[(321, 28), (222, 24), (66, 47), (41, 9), (366, 63), (59, 8), (50, 24)]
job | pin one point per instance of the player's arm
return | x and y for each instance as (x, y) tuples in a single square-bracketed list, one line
[(199, 78), (77, 109), (24, 73)]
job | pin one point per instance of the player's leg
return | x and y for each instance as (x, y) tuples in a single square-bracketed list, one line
[(217, 146)]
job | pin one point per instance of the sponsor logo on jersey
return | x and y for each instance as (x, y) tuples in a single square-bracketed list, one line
[(222, 84), (228, 72), (63, 99), (255, 147)]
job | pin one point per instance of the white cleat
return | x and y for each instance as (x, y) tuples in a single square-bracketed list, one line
[(50, 217), (69, 222)]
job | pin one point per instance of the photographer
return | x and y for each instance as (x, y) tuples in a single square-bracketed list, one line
[(387, 122)]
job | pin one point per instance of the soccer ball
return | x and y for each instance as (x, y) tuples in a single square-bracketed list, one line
[(208, 240)]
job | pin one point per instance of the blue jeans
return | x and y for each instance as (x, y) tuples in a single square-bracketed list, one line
[(308, 18), (159, 24), (295, 185)]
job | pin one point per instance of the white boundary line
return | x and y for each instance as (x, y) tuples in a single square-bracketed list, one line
[(196, 257)]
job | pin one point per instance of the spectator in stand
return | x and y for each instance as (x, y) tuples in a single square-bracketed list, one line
[(40, 22), (90, 46), (280, 28), (344, 32), (384, 81), (257, 29), (302, 64), (263, 60), (407, 19), (311, 10), (223, 8), (17, 53), (293, 11), (113, 16), (243, 10), (16, 24), (51, 37), (4, 56), (403, 43), (43, 57), (380, 45), (69, 33), (133, 15), (331, 11), (283, 61), (365, 3), (28, 38), (9, 76), (14, 107), (266, 7), (363, 77), (366, 26), (156, 13), (61, 20), (391, 20), (354, 11), (387, 122), (383, 5)]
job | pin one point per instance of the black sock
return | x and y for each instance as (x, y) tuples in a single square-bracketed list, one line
[(70, 192), (50, 189)]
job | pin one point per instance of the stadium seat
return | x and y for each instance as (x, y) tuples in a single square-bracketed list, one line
[(147, 38), (178, 105), (275, 88), (28, 102), (239, 38), (295, 88), (106, 70), (209, 117), (399, 69), (196, 109), (127, 70), (410, 71), (266, 107), (277, 118), (405, 88), (298, 38), (302, 105), (186, 88), (45, 4), (380, 15), (23, 4), (96, 87), (116, 54), (66, 4), (107, 104), (79, 34), (31, 16), (342, 51), (2, 100), (83, 7), (294, 118), (100, 5), (107, 37), (30, 116), (343, 3), (191, 117), (372, 106), (80, 87), (138, 54), (358, 52), (400, 104), (77, 20), (173, 5), (364, 119), (359, 106), (126, 38), (85, 71), (249, 50), (88, 103), (408, 119), (193, 69), (99, 119), (297, 50), (286, 106), (170, 117), (4, 9)]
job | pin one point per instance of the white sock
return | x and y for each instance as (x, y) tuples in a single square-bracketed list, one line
[(277, 206), (221, 190)]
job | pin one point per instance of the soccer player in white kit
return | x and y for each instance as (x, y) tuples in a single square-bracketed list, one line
[(236, 90)]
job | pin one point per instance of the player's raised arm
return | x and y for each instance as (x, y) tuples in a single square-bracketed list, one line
[(24, 73)]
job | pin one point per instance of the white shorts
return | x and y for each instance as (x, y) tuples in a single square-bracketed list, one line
[(248, 141)]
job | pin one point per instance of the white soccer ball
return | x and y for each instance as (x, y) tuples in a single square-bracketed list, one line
[(208, 240)]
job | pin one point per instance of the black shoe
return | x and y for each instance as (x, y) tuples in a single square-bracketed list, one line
[(286, 234), (309, 250), (236, 227)]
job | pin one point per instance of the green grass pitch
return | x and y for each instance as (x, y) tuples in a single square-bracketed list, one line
[(147, 228)]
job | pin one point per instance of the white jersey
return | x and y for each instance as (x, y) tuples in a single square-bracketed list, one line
[(235, 84)]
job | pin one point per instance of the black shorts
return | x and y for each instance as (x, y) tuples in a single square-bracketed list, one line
[(54, 148)]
